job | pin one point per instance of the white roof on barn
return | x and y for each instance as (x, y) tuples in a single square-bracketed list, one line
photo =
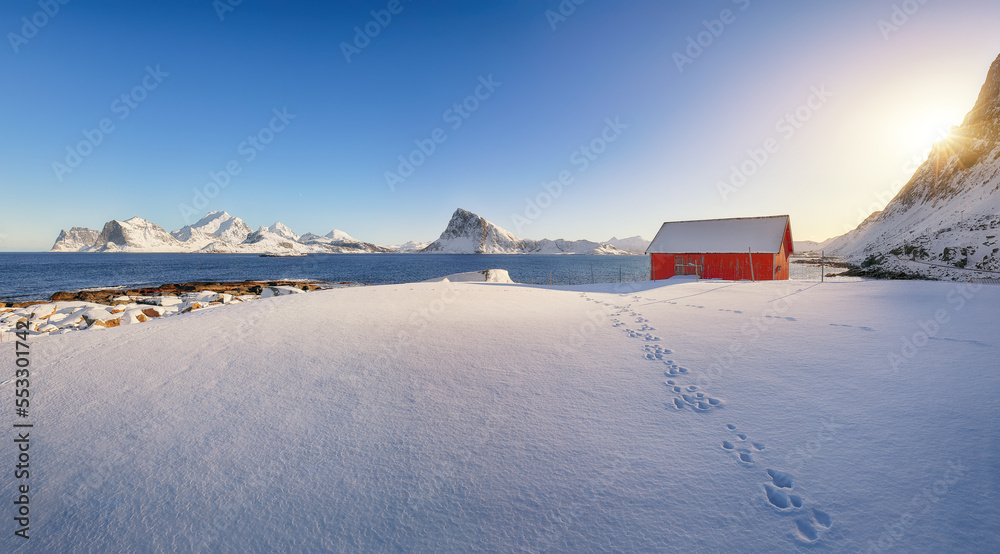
[(758, 234)]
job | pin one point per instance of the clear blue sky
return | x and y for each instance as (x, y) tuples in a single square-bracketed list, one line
[(891, 90)]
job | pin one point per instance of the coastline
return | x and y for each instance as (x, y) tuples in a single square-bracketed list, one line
[(101, 308)]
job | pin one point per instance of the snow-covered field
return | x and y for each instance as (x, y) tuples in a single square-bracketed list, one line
[(690, 416)]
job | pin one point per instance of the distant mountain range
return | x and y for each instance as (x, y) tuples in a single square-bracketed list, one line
[(219, 232), (945, 221)]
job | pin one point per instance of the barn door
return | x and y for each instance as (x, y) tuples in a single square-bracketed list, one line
[(687, 265)]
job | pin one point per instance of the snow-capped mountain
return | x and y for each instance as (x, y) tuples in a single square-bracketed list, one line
[(136, 234), (410, 247), (280, 229), (949, 213), (337, 234), (468, 233), (220, 232), (633, 245), (75, 240), (217, 232), (214, 227), (337, 241)]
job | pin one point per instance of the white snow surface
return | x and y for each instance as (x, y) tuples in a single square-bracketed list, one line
[(469, 417), (758, 234)]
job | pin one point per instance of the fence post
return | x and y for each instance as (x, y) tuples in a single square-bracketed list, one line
[(822, 266), (750, 254)]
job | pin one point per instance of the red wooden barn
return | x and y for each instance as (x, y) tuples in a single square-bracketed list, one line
[(740, 248)]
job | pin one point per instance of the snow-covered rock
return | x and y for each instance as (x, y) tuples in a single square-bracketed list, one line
[(484, 276), (268, 292), (468, 233)]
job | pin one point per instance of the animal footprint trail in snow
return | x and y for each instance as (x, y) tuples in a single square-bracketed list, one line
[(779, 494), (862, 327), (685, 396)]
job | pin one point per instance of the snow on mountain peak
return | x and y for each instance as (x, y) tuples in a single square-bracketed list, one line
[(215, 225), (339, 235), (281, 229)]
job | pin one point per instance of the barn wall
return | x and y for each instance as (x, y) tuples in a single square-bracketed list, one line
[(661, 266), (781, 261), (732, 267)]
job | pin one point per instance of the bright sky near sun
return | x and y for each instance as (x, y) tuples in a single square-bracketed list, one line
[(380, 118)]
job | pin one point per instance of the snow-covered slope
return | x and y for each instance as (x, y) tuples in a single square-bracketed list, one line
[(468, 233), (949, 213), (473, 417), (633, 245), (75, 240)]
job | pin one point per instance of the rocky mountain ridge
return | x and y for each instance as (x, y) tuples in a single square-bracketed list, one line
[(945, 221)]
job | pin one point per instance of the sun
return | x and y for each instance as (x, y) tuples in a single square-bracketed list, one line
[(930, 129)]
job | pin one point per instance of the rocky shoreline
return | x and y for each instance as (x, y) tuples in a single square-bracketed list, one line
[(108, 296), (66, 312)]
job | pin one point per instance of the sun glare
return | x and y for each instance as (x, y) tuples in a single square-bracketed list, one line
[(932, 128)]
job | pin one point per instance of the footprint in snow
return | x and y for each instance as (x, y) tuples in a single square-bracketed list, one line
[(641, 335), (673, 369), (810, 522), (742, 447), (690, 397), (862, 327), (656, 352)]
